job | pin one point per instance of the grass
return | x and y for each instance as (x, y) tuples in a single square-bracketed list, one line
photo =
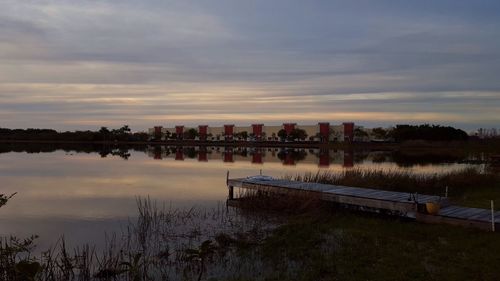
[(344, 246), (162, 244), (321, 242), (468, 187)]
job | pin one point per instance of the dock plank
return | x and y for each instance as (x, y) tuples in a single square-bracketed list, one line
[(375, 199)]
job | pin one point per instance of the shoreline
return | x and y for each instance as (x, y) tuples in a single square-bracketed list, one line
[(332, 145)]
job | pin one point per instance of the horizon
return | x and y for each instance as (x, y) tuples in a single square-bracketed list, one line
[(172, 126), (81, 65)]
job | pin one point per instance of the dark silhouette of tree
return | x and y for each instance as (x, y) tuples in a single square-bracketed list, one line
[(427, 132), (191, 134), (282, 134), (241, 135), (103, 134), (359, 133), (379, 133), (297, 134)]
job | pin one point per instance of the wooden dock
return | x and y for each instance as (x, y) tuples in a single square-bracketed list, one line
[(373, 200)]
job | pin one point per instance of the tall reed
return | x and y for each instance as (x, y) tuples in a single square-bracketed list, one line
[(406, 181)]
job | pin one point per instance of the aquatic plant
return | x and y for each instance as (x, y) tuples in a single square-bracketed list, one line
[(163, 243)]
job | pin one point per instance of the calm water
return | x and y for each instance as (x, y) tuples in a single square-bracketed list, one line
[(82, 195)]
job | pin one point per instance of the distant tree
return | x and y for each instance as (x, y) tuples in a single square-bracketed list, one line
[(140, 136), (359, 133), (191, 134), (379, 133), (282, 134), (124, 130), (241, 135), (297, 134), (104, 132), (427, 132), (273, 135)]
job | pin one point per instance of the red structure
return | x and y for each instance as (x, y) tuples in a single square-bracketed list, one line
[(179, 131), (348, 131), (257, 131), (324, 131), (289, 127), (203, 132), (324, 158), (228, 132), (158, 132)]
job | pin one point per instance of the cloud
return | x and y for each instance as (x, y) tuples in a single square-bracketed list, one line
[(80, 64)]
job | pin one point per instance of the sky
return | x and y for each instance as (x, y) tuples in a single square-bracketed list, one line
[(83, 64)]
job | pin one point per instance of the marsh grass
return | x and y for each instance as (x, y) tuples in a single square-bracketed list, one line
[(159, 245), (346, 246), (321, 242), (284, 203), (470, 186)]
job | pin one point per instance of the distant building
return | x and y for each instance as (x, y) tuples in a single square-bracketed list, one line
[(321, 132)]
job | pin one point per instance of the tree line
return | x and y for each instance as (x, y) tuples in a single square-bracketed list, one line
[(398, 133), (103, 134), (426, 132)]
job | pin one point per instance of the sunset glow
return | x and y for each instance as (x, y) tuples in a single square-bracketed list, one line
[(74, 65)]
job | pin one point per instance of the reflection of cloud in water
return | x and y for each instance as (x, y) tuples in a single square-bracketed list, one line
[(66, 191)]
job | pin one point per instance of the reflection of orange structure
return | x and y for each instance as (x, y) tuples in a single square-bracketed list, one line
[(289, 159), (157, 134), (324, 157), (228, 132), (203, 131), (202, 156), (348, 158), (179, 154), (179, 131), (157, 154), (289, 127), (348, 131), (324, 131), (257, 130), (228, 155), (257, 157)]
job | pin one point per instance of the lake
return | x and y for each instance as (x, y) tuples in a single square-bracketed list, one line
[(82, 193)]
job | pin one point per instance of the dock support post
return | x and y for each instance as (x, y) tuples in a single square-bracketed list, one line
[(492, 216), (230, 187), (446, 193), (231, 192)]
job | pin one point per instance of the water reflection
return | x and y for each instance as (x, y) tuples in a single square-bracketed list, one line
[(322, 157), (62, 188), (287, 156)]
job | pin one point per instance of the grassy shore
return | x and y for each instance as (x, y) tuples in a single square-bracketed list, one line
[(468, 187), (345, 246), (417, 146)]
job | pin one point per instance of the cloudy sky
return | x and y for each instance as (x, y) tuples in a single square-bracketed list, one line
[(82, 64)]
